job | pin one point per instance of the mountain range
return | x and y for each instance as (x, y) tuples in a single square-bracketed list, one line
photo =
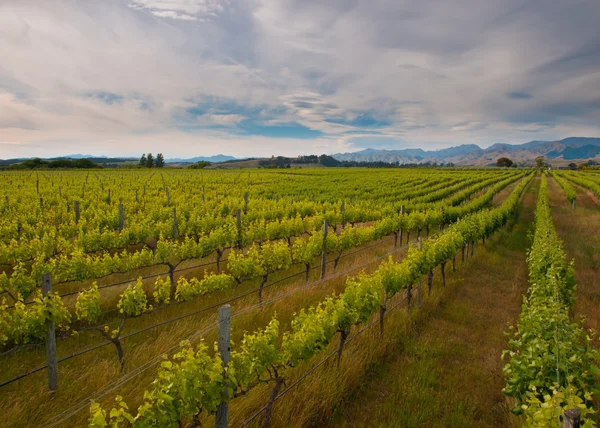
[(213, 159), (556, 152), (561, 151)]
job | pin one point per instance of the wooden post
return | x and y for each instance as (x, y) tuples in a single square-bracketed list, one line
[(402, 209), (136, 196), (109, 196), (50, 340), (572, 418), (76, 212), (168, 197), (245, 202), (238, 217), (221, 421), (121, 217), (42, 206), (421, 278), (6, 199), (429, 281), (324, 254), (175, 224)]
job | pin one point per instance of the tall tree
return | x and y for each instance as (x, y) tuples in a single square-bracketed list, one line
[(143, 160), (160, 160), (540, 161), (504, 162), (150, 161)]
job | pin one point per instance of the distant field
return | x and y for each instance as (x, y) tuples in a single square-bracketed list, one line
[(349, 290)]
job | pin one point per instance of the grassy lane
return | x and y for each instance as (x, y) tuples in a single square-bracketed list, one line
[(447, 370), (579, 231)]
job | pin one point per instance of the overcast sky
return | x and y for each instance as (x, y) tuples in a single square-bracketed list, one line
[(262, 77)]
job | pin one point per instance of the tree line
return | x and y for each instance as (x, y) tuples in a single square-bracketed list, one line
[(150, 161), (38, 163)]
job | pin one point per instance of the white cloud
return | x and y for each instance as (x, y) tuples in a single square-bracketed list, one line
[(188, 10), (173, 15)]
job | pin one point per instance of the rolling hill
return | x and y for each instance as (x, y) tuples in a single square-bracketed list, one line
[(560, 152)]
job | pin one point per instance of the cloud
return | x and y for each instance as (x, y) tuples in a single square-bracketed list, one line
[(519, 95), (186, 10), (285, 75), (173, 15)]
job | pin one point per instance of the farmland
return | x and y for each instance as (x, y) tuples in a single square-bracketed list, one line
[(343, 286)]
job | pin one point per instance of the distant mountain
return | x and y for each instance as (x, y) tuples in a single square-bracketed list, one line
[(80, 156), (213, 159), (572, 148), (407, 155)]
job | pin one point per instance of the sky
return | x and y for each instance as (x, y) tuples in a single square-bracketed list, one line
[(288, 77)]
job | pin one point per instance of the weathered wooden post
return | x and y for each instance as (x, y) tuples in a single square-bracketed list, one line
[(238, 217), (421, 278), (572, 418), (246, 203), (121, 217), (76, 212), (324, 254), (42, 206), (50, 339), (222, 418), (175, 236), (108, 198)]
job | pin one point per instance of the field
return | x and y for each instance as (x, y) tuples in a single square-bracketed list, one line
[(357, 297)]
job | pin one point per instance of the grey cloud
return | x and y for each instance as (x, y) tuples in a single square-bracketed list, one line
[(517, 95)]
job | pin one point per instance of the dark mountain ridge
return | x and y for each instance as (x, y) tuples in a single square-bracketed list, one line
[(571, 148)]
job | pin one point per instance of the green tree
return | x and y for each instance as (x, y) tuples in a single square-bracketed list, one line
[(150, 161), (200, 165), (504, 162), (143, 160), (160, 161), (540, 161)]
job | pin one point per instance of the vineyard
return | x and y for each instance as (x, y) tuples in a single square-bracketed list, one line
[(181, 298)]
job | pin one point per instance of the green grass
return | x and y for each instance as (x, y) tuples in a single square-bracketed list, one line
[(447, 371), (579, 231), (327, 392)]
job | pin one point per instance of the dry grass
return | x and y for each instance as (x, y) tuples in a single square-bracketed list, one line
[(438, 366), (579, 231), (27, 403)]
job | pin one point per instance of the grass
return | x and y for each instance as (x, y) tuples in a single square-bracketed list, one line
[(27, 403), (447, 371), (77, 380), (579, 231)]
